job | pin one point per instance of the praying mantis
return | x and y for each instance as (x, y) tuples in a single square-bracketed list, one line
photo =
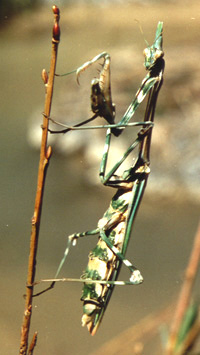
[(114, 228)]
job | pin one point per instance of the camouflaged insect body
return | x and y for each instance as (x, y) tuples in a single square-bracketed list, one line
[(103, 263), (114, 228), (118, 219)]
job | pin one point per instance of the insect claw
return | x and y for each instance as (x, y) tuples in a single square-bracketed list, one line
[(136, 277), (73, 239), (81, 69), (74, 242), (78, 75)]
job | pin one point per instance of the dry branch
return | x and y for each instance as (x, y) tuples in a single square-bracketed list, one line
[(45, 154)]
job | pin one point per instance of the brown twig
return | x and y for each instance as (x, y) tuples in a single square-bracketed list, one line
[(44, 160), (185, 294), (33, 344)]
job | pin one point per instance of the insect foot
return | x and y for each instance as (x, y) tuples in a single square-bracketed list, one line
[(136, 277), (73, 239)]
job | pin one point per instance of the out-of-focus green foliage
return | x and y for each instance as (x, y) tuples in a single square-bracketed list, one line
[(187, 324), (9, 8)]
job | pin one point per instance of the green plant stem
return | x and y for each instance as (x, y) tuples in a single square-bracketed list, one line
[(185, 293)]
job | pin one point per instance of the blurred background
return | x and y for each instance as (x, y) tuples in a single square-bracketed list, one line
[(74, 199)]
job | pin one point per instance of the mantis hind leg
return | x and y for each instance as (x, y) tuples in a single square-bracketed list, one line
[(136, 277)]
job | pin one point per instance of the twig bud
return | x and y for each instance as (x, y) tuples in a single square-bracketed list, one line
[(33, 343), (45, 77), (56, 32), (49, 152), (56, 10)]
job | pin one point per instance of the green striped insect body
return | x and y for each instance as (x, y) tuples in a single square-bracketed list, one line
[(104, 262), (114, 228), (154, 53), (154, 64), (101, 100)]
